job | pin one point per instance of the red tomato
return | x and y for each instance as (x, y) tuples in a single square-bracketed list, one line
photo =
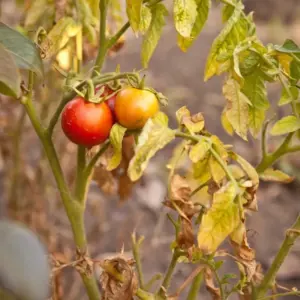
[(85, 123)]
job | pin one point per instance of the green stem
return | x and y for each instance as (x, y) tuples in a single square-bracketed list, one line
[(116, 37), (195, 287), (73, 209), (269, 278), (80, 186), (136, 254), (269, 159), (102, 36), (168, 276), (280, 295)]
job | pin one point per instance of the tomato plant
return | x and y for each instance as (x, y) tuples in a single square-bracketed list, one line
[(73, 35), (133, 107), (85, 123)]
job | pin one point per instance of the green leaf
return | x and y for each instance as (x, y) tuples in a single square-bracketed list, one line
[(220, 221), (235, 31), (154, 32), (185, 13), (199, 151), (289, 46), (59, 36), (153, 138), (275, 175), (286, 125), (255, 90), (237, 108), (23, 50), (133, 10), (10, 78), (248, 62), (288, 95), (116, 138), (203, 7), (295, 68), (146, 17)]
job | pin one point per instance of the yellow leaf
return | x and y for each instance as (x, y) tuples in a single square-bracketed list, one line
[(275, 175), (237, 108), (201, 171), (199, 151), (226, 124), (220, 221), (216, 170)]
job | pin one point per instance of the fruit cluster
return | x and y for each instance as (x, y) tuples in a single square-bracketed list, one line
[(88, 124)]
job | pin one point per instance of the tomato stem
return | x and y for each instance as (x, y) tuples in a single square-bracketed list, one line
[(80, 186)]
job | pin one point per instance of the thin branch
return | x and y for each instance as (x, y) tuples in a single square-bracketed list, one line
[(136, 244), (269, 278), (117, 36), (280, 295), (80, 185), (168, 276), (195, 287)]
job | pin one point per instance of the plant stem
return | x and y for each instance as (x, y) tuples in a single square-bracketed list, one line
[(168, 276), (102, 37), (291, 235), (195, 287), (80, 185), (116, 37), (136, 254), (269, 159), (280, 295), (73, 209)]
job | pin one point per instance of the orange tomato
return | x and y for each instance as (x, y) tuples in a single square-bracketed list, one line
[(133, 107)]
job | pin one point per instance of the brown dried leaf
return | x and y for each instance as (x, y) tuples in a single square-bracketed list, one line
[(210, 285), (180, 197), (246, 257), (118, 279), (105, 180), (185, 238)]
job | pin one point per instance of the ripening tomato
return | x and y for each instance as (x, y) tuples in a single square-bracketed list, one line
[(133, 107), (85, 123)]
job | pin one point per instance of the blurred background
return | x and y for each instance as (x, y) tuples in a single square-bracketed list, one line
[(28, 192)]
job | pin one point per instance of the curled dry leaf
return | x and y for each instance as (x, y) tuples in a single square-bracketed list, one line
[(180, 197), (244, 253), (210, 285), (185, 238), (118, 279)]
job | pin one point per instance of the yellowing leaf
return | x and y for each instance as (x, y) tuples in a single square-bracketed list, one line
[(203, 7), (284, 60), (226, 124), (248, 168), (185, 13), (161, 119), (199, 151), (286, 125), (219, 147), (145, 19), (235, 31), (275, 175), (152, 138), (220, 221), (59, 36), (194, 123), (116, 138), (37, 10), (254, 88), (154, 32), (237, 109), (10, 78), (133, 10), (216, 170), (201, 171)]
